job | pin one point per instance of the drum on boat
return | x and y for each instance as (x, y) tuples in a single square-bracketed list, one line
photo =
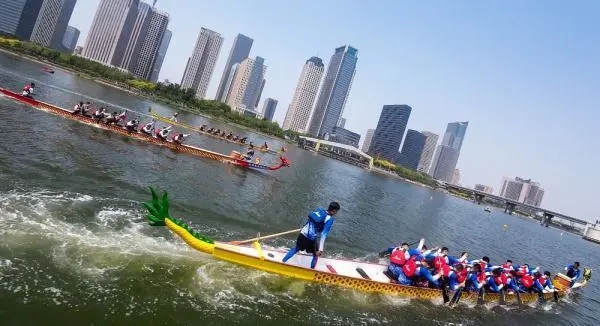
[(562, 281)]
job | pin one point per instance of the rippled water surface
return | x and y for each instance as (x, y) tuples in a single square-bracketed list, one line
[(75, 249)]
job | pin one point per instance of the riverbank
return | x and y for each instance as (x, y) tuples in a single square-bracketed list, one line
[(169, 94), (397, 176)]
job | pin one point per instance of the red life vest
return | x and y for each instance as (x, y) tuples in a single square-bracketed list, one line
[(461, 276), (409, 268), (158, 132), (507, 266), (398, 257), (445, 270), (522, 270), (481, 277), (527, 281), (439, 262), (502, 279), (27, 88), (542, 279)]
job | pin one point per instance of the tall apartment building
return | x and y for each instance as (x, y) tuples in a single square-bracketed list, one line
[(160, 58), (334, 91), (390, 131), (446, 156), (10, 14), (428, 151), (52, 22), (522, 190), (201, 65), (412, 149), (28, 18), (298, 113), (269, 108), (110, 31), (247, 84), (484, 188), (159, 20), (239, 52), (70, 39), (368, 139), (138, 32)]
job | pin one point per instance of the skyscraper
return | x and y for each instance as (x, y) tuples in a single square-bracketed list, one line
[(28, 18), (70, 39), (368, 139), (247, 83), (51, 23), (162, 52), (412, 149), (10, 13), (269, 108), (456, 177), (110, 31), (390, 130), (446, 156), (159, 20), (334, 91), (428, 150), (139, 30), (201, 64), (298, 112), (522, 190), (239, 52)]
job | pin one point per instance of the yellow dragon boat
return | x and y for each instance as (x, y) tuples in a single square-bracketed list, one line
[(202, 132), (363, 276)]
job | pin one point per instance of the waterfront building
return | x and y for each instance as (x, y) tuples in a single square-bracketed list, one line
[(447, 154), (52, 22), (390, 131), (160, 57), (247, 84), (344, 136), (269, 108), (70, 39), (367, 140), (298, 113), (428, 151), (239, 52), (201, 64), (522, 190), (412, 149)]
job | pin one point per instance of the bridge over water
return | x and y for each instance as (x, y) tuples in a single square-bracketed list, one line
[(510, 205)]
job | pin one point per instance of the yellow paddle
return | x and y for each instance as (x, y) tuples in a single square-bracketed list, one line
[(265, 237)]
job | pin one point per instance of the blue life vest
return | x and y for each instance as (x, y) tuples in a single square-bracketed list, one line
[(317, 217)]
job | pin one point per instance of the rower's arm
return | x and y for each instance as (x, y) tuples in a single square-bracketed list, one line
[(326, 229)]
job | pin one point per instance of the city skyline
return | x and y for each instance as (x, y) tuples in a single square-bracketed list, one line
[(200, 67), (479, 43)]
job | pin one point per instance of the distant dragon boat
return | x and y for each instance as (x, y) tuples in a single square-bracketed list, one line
[(234, 158), (363, 276), (203, 132)]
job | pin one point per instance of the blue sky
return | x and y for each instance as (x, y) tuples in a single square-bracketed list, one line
[(525, 74)]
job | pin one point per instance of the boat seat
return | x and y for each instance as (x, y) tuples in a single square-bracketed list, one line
[(362, 273), (331, 269)]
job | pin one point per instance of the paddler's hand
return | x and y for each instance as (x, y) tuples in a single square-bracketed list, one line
[(318, 253)]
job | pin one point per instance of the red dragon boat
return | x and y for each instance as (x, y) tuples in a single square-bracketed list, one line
[(234, 158)]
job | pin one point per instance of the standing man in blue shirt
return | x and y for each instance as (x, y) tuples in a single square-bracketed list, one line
[(312, 236)]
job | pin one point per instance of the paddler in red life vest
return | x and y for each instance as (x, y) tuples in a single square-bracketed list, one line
[(28, 89), (508, 266), (132, 125), (496, 281), (543, 281), (163, 133), (77, 108), (475, 278), (178, 138), (398, 258), (457, 277), (314, 233), (85, 108), (147, 129), (120, 117), (99, 114)]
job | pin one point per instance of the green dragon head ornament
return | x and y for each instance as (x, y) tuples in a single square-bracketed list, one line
[(158, 210)]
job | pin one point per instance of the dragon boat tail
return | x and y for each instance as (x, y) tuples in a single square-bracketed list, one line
[(233, 159), (367, 277)]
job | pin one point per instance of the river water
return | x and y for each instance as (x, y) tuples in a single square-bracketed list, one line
[(75, 249)]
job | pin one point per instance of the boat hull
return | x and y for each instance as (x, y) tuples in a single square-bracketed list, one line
[(328, 271), (187, 149)]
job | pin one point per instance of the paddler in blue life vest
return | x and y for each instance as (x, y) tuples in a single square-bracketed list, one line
[(28, 89), (573, 272), (250, 153), (312, 236)]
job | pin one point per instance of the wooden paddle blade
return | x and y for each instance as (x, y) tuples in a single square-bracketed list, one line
[(444, 291), (481, 296), (456, 297), (519, 300), (501, 298)]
